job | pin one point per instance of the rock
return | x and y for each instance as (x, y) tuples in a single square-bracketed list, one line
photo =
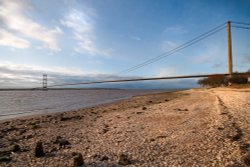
[(35, 126), (244, 147), (246, 159), (5, 155), (5, 158), (58, 138), (6, 123), (9, 129), (66, 118), (39, 149), (62, 142), (220, 128), (77, 159), (144, 108), (104, 158), (152, 139), (161, 136), (236, 137), (105, 130), (123, 160), (16, 148), (179, 109), (22, 131), (28, 136), (96, 156)]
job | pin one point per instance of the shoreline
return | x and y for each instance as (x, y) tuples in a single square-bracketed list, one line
[(189, 128), (39, 112)]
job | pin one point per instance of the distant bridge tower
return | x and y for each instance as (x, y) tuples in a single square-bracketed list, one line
[(45, 81)]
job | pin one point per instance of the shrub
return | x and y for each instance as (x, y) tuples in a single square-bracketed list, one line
[(218, 80), (213, 81), (238, 79)]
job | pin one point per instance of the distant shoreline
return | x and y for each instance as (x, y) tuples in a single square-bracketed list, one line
[(47, 110), (23, 89), (28, 89)]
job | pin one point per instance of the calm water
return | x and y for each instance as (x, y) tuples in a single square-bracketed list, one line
[(22, 103)]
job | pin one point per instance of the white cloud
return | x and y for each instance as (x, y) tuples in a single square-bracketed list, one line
[(13, 15), (23, 75), (83, 29), (78, 21), (31, 75), (8, 39)]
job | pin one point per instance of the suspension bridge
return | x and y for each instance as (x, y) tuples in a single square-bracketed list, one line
[(227, 25)]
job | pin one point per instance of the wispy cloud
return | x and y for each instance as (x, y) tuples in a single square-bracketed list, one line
[(168, 45), (83, 28), (14, 16), (8, 39)]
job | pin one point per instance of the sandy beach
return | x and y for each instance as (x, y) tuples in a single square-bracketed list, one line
[(198, 127)]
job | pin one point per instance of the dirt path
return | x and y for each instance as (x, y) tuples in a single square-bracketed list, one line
[(186, 128)]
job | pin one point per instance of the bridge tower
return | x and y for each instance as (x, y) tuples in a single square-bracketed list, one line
[(45, 81), (229, 42)]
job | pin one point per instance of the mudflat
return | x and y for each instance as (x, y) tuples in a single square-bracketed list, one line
[(199, 127)]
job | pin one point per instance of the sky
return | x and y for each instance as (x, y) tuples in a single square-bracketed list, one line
[(88, 40)]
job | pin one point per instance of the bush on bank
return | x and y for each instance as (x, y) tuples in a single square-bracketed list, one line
[(218, 80)]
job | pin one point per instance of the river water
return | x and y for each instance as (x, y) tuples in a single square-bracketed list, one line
[(22, 103)]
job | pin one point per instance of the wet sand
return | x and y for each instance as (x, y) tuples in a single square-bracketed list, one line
[(201, 127)]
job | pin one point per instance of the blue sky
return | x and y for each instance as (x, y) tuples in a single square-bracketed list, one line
[(74, 40)]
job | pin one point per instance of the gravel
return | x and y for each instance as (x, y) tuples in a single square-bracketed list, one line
[(201, 127)]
